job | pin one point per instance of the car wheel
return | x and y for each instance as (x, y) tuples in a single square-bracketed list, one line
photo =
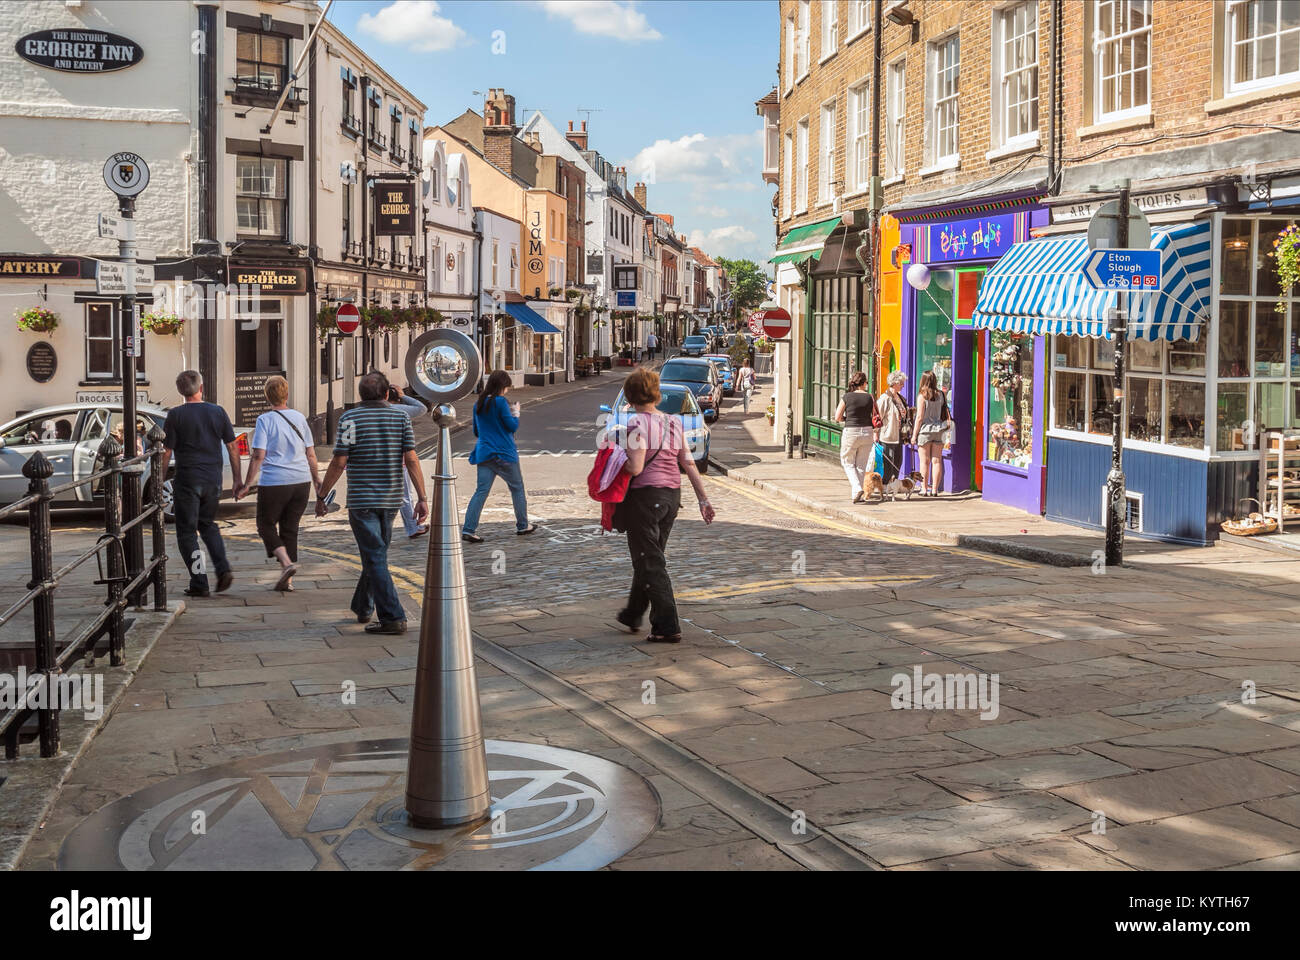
[(169, 500), (702, 464)]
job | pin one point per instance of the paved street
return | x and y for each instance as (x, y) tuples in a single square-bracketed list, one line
[(1120, 741)]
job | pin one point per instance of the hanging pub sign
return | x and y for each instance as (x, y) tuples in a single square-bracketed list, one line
[(39, 268), (394, 209), (79, 51), (270, 279)]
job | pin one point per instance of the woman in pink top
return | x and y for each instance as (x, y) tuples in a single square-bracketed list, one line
[(656, 450)]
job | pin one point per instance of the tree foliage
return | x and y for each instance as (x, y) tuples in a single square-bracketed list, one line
[(749, 282)]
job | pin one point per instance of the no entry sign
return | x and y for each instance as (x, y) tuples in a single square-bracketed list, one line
[(348, 318), (775, 320)]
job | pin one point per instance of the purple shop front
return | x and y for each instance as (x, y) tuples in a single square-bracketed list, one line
[(996, 382)]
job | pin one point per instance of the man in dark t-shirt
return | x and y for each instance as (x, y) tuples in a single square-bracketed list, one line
[(196, 431)]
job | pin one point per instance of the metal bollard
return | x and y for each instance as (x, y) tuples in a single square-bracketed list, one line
[(156, 438), (447, 778), (111, 452), (38, 471)]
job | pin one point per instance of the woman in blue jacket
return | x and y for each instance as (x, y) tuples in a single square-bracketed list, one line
[(495, 455)]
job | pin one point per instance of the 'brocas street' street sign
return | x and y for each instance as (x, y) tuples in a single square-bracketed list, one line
[(79, 51)]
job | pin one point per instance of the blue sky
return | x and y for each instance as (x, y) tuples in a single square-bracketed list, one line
[(674, 82)]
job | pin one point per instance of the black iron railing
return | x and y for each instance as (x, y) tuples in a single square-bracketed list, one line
[(125, 573)]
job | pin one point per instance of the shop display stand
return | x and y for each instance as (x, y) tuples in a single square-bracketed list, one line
[(1279, 477)]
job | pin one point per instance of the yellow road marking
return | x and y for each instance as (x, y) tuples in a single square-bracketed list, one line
[(803, 513), (759, 586)]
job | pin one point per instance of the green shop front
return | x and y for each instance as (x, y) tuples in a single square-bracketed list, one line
[(834, 340)]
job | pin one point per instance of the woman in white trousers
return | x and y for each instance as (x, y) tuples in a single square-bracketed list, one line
[(858, 437)]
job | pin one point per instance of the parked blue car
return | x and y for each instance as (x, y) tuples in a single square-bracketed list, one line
[(676, 400), (695, 345), (723, 363)]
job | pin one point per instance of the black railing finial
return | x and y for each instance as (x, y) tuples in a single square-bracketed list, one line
[(38, 467)]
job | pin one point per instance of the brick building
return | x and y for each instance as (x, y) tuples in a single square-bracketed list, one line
[(1002, 126)]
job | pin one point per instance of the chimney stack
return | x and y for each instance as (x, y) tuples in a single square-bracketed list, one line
[(499, 128), (639, 192), (534, 140), (577, 137)]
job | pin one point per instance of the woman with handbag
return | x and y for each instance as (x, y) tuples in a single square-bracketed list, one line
[(932, 435), (287, 464), (657, 456), (893, 416), (857, 411)]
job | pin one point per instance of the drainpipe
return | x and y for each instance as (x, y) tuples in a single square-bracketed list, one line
[(313, 250), (868, 249), (1053, 100)]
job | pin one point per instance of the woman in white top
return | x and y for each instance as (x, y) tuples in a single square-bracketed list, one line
[(745, 382), (893, 411), (286, 459)]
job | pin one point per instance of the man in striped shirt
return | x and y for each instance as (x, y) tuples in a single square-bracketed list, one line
[(375, 443)]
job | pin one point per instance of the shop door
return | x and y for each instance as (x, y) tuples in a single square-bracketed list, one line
[(968, 285), (832, 355), (259, 354)]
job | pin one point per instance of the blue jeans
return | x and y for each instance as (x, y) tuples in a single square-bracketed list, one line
[(373, 530), (196, 513), (488, 471)]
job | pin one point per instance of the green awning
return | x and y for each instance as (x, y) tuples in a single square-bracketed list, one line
[(804, 242), (792, 257)]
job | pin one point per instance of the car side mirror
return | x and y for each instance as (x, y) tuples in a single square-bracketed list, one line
[(605, 408), (2, 443)]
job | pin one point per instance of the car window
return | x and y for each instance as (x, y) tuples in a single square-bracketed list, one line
[(688, 372), (96, 426), (44, 429)]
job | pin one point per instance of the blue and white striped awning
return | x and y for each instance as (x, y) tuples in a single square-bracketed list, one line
[(1038, 287)]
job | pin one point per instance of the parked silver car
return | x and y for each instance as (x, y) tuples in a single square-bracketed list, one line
[(69, 436)]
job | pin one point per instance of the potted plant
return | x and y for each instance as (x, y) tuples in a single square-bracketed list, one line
[(771, 413), (554, 292), (163, 324), (37, 319), (1286, 251)]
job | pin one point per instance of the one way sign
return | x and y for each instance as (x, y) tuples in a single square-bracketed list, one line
[(1123, 269)]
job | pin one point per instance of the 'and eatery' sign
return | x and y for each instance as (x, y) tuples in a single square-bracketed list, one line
[(79, 51)]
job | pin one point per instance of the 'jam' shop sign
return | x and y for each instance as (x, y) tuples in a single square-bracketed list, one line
[(980, 238), (79, 51)]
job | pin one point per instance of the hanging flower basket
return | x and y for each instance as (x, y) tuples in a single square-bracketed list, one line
[(1286, 251), (162, 324), (37, 320), (325, 324)]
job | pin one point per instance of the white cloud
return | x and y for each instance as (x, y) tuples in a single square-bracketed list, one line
[(604, 18), (728, 162), (731, 241), (414, 24)]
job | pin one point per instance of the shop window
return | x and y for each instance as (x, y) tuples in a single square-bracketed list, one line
[(1011, 398), (934, 308), (1259, 352), (1164, 392)]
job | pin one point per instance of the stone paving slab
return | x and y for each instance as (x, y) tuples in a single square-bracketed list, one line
[(961, 828)]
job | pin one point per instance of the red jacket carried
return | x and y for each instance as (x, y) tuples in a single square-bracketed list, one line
[(607, 482)]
